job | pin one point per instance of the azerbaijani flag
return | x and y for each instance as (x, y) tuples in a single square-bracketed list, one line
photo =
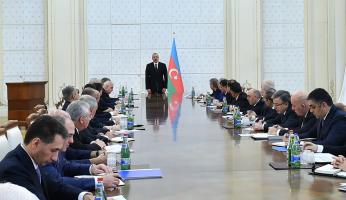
[(175, 82), (175, 101)]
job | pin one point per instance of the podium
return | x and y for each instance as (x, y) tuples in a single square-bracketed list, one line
[(22, 98)]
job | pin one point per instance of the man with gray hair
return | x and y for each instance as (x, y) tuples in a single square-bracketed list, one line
[(64, 170), (286, 117), (266, 85), (156, 78), (256, 102), (91, 134), (81, 115), (106, 101)]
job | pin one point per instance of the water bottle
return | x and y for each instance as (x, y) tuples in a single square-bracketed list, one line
[(224, 106), (295, 153), (237, 118), (100, 193), (208, 99), (130, 120), (122, 91), (130, 99), (193, 93), (289, 146), (125, 162), (123, 107)]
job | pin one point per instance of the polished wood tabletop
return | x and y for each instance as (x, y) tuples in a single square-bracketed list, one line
[(201, 160)]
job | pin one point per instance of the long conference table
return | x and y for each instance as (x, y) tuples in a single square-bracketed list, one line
[(200, 159)]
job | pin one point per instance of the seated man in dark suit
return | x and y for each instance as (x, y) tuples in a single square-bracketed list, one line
[(80, 115), (239, 97), (90, 134), (214, 86), (65, 171), (300, 106), (331, 128), (255, 100), (105, 99), (225, 91), (42, 143), (268, 112), (69, 94), (286, 118)]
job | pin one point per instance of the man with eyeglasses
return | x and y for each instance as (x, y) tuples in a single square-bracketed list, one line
[(331, 128), (286, 117)]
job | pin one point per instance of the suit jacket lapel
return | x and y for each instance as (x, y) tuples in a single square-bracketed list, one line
[(30, 167)]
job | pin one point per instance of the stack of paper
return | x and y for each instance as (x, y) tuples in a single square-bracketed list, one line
[(323, 157), (119, 197), (116, 148), (120, 139), (327, 169), (264, 136)]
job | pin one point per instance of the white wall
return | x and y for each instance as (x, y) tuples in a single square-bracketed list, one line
[(22, 42), (122, 35), (283, 43)]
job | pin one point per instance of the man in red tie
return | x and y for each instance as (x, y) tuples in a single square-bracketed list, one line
[(156, 76)]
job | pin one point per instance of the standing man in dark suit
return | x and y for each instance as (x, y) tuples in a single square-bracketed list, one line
[(156, 76), (42, 143)]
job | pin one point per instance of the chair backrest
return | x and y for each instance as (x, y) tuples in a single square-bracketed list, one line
[(14, 137), (4, 146)]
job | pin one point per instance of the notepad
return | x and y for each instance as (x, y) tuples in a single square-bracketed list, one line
[(140, 174), (328, 170), (279, 144), (265, 136), (323, 157), (245, 134), (119, 197), (120, 139), (126, 131), (116, 148)]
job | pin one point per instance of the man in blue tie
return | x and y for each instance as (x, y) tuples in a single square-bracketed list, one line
[(42, 143)]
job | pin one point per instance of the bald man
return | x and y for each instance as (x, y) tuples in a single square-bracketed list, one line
[(300, 106)]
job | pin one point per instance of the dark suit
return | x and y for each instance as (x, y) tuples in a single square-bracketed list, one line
[(229, 98), (217, 94), (78, 144), (267, 113), (289, 120), (65, 171), (335, 150), (242, 102), (156, 79), (18, 169), (66, 104), (106, 101), (258, 107), (90, 134), (333, 130), (307, 126), (78, 155)]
